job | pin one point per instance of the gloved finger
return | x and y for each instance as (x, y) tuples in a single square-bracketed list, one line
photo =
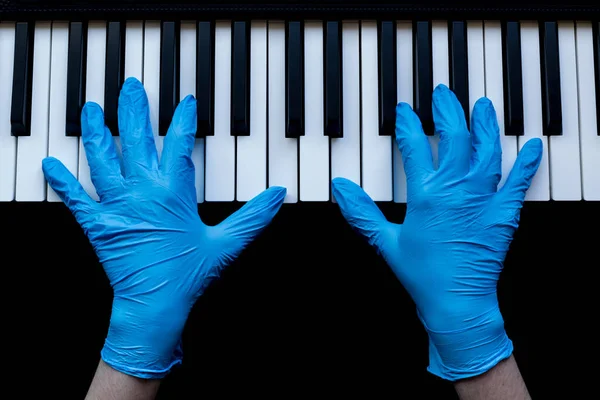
[(413, 144), (135, 129), (454, 151), (67, 188), (523, 171), (241, 227), (179, 142), (486, 158), (361, 212), (105, 170)]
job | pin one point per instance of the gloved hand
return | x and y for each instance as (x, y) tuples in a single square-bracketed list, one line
[(157, 253), (450, 249)]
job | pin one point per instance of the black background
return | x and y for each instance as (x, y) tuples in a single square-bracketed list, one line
[(308, 309)]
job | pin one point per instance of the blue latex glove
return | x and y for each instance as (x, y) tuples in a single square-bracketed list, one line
[(157, 253), (450, 249)]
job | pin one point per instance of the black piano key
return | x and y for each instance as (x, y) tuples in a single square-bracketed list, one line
[(240, 83), (459, 66), (20, 114), (513, 79), (115, 71), (423, 75), (294, 79), (596, 33), (169, 74), (205, 78), (333, 79), (387, 78), (76, 66), (550, 69)]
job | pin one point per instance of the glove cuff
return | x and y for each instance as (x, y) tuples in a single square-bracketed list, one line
[(141, 344), (126, 362), (468, 352)]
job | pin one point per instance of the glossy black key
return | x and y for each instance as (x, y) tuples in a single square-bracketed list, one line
[(459, 66), (240, 83), (76, 66), (387, 77), (169, 74), (294, 79), (115, 71), (596, 33), (205, 78), (333, 79), (423, 75), (20, 114), (513, 79), (550, 69)]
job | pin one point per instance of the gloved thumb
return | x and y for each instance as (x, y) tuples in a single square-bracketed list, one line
[(66, 186), (241, 227), (518, 181), (361, 212)]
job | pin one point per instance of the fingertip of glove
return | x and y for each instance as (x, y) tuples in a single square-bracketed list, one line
[(48, 163), (189, 99), (91, 107), (483, 102), (532, 152), (132, 88), (403, 107), (441, 88), (535, 144), (131, 83), (278, 190), (342, 185)]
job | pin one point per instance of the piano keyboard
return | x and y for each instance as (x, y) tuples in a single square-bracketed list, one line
[(298, 103)]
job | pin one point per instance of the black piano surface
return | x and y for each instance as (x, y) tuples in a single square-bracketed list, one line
[(307, 309)]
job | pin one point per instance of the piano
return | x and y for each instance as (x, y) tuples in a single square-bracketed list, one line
[(295, 94)]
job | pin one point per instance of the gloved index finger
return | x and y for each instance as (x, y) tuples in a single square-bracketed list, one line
[(135, 129), (413, 144), (179, 142), (102, 158)]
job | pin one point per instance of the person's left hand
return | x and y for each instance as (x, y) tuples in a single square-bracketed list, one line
[(157, 253), (449, 251)]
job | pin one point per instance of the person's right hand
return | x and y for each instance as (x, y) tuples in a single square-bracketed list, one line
[(157, 253), (450, 249)]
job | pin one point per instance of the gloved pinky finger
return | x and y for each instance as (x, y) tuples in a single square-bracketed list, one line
[(70, 191)]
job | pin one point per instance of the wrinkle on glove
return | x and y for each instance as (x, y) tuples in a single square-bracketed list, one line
[(157, 253), (450, 250)]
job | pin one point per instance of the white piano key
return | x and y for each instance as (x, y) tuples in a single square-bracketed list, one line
[(63, 147), (440, 61), (314, 145), (152, 76), (404, 65), (283, 152), (563, 150), (8, 143), (532, 107), (439, 52), (376, 149), (134, 50), (134, 62), (94, 91), (494, 90), (475, 61), (588, 137), (345, 151), (31, 150), (220, 148), (251, 178), (187, 86)]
